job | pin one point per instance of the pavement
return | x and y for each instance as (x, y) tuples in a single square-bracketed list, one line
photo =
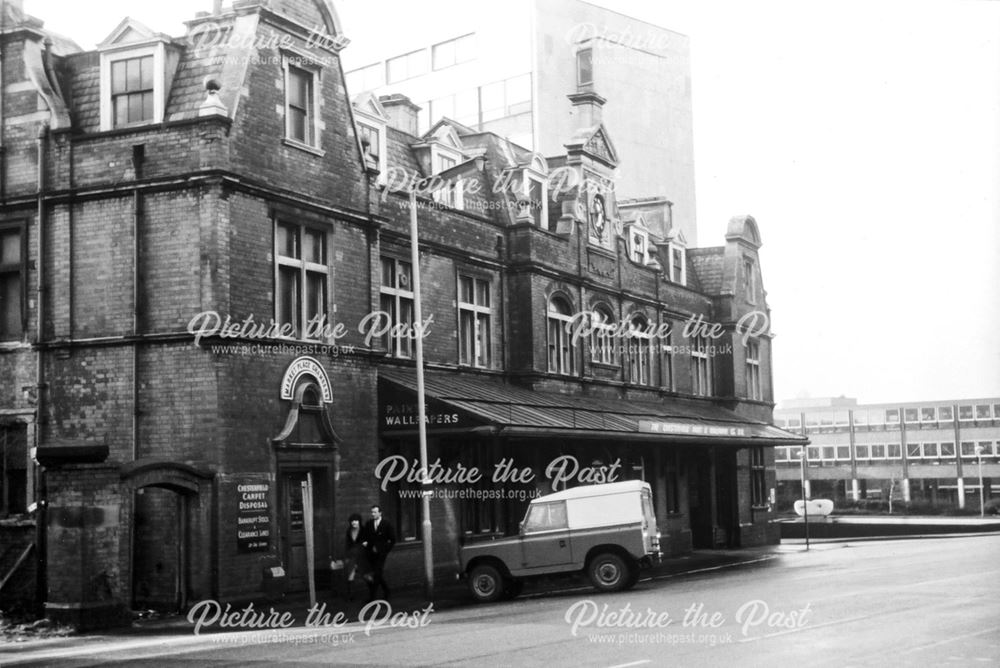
[(448, 595)]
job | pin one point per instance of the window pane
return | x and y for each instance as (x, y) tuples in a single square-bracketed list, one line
[(861, 451), (927, 414), (133, 74), (910, 414), (968, 449), (288, 240), (10, 306), (913, 450), (483, 293), (118, 77), (584, 67), (983, 412), (388, 272), (947, 449), (483, 341), (965, 412), (146, 72), (443, 55), (466, 337), (312, 246), (121, 110), (135, 108), (315, 296), (297, 125), (465, 289), (892, 415), (945, 413), (894, 451), (404, 276), (10, 249), (288, 291), (930, 450), (518, 90)]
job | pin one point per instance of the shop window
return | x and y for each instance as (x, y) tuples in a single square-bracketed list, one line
[(474, 317), (562, 350), (758, 478), (753, 369), (400, 502), (301, 279), (12, 281), (301, 108)]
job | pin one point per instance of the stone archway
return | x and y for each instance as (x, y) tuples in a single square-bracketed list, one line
[(170, 533)]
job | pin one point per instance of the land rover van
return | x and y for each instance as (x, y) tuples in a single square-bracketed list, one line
[(607, 532)]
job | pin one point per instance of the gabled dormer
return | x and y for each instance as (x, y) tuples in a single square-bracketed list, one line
[(676, 248), (639, 243), (137, 70), (530, 182), (371, 120), (441, 150)]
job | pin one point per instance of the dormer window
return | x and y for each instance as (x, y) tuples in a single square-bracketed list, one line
[(132, 91), (535, 192), (450, 193), (301, 104), (137, 67), (677, 257), (371, 124), (639, 246)]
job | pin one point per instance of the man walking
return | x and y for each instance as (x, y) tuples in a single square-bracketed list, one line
[(379, 541)]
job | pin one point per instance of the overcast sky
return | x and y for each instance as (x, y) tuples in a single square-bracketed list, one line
[(864, 137)]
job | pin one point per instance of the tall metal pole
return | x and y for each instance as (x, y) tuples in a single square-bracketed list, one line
[(805, 498), (425, 484), (979, 456)]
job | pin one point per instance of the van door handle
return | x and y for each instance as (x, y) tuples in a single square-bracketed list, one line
[(562, 543)]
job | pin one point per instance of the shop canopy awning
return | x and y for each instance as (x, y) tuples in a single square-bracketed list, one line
[(460, 404)]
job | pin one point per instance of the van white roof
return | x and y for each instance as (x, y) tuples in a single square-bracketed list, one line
[(584, 491)]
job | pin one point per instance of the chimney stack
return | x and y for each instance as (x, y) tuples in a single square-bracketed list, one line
[(401, 111), (587, 108)]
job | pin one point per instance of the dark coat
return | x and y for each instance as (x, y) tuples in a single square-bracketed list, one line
[(381, 540)]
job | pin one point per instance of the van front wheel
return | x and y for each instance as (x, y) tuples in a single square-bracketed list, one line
[(485, 583), (608, 572)]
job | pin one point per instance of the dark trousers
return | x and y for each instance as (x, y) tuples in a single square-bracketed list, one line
[(378, 580)]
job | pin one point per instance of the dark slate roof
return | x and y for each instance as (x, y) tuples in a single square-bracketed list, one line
[(707, 266), (84, 90), (188, 89)]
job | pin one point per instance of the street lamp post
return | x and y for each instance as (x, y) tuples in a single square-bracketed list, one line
[(444, 178), (805, 499), (982, 504)]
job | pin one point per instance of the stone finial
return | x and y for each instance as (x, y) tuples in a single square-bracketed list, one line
[(213, 105)]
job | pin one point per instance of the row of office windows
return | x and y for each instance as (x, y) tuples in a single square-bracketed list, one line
[(412, 64), (924, 415), (876, 452)]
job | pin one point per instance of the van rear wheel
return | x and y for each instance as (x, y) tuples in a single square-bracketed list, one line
[(486, 583), (608, 572)]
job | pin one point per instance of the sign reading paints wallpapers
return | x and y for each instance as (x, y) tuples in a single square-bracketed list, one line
[(253, 517)]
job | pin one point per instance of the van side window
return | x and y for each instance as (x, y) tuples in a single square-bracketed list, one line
[(546, 517)]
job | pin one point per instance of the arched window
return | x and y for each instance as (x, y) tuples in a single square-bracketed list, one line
[(602, 340), (562, 351), (640, 358)]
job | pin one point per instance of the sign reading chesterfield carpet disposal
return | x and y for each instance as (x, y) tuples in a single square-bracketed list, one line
[(253, 518)]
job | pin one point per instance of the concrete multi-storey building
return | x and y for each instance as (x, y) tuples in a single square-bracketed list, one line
[(938, 452), (208, 320), (506, 68)]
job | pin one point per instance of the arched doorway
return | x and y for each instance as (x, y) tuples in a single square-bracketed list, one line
[(169, 532), (306, 449)]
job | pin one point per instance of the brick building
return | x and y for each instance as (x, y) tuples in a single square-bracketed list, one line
[(207, 305)]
